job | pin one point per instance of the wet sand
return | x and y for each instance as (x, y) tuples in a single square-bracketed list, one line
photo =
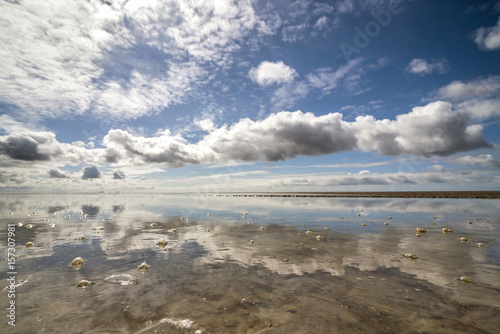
[(257, 273)]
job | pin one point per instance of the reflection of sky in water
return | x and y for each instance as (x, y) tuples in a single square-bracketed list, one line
[(283, 247)]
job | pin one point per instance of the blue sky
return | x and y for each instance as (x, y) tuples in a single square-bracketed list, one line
[(209, 96)]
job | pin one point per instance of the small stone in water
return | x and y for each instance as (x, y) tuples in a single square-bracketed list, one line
[(77, 263), (389, 217), (153, 224), (465, 279), (262, 228), (411, 256), (29, 225), (364, 224), (386, 223), (144, 266), (326, 228), (29, 244), (52, 225), (319, 237), (418, 235), (469, 222), (447, 230), (309, 232), (464, 239), (84, 284), (162, 243), (80, 238), (421, 230), (251, 241), (209, 214), (480, 244)]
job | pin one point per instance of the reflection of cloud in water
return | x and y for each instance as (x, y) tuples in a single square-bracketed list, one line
[(118, 208), (283, 247), (90, 210)]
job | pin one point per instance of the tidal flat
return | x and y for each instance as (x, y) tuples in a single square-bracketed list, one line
[(165, 263)]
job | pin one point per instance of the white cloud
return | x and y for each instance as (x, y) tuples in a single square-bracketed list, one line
[(118, 174), (483, 160), (58, 174), (433, 129), (488, 38), (64, 57), (327, 79), (292, 34), (480, 98), (90, 171), (288, 95), (479, 88), (269, 73), (422, 67)]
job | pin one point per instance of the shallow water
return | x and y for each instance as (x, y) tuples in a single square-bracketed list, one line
[(255, 273)]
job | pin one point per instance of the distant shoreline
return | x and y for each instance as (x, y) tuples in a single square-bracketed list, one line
[(336, 194)]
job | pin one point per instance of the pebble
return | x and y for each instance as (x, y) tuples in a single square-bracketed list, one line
[(77, 263), (84, 284), (480, 244), (162, 243), (30, 225), (143, 266), (411, 256), (421, 230), (29, 244), (464, 239), (319, 237), (447, 230), (465, 279), (309, 232), (153, 224)]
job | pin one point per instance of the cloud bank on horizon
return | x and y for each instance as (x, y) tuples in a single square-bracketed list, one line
[(182, 95)]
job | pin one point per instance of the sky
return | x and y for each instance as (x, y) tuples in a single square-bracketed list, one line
[(249, 95)]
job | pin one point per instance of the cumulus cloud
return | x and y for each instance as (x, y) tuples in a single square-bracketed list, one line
[(269, 73), (32, 146), (479, 88), (480, 98), (433, 129), (483, 160), (422, 67), (90, 171), (58, 174), (118, 174), (488, 38)]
